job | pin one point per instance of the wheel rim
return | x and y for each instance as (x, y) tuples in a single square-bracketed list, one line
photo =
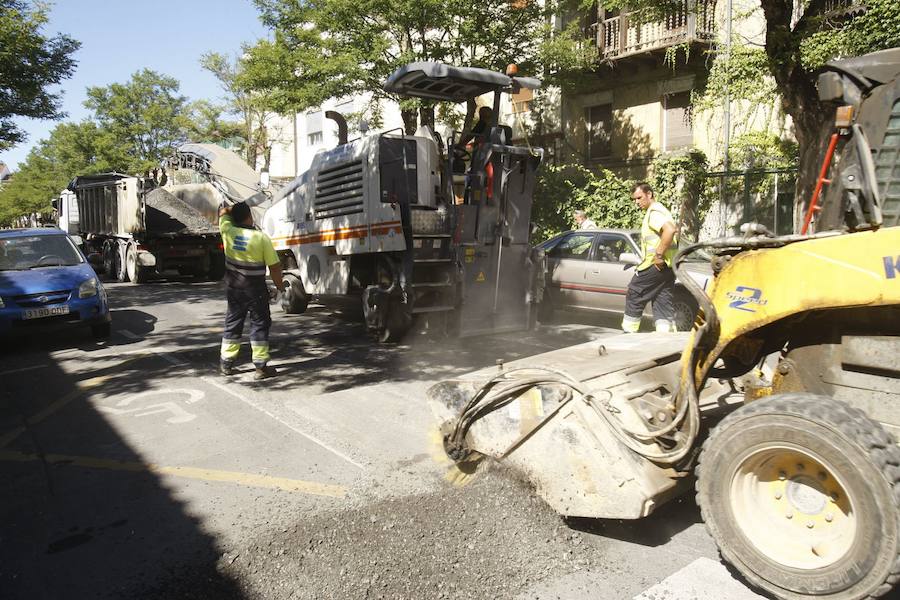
[(684, 316), (793, 507), (131, 263), (287, 297)]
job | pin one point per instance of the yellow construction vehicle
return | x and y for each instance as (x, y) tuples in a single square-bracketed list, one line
[(781, 407)]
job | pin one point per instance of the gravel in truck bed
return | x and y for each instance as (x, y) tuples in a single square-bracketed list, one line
[(168, 214)]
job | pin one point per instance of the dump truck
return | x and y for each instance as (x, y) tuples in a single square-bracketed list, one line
[(780, 409), (65, 207), (408, 226), (140, 229)]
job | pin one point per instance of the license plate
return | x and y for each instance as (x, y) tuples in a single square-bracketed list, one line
[(37, 313)]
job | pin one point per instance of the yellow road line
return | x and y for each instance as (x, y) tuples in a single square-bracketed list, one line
[(247, 479), (80, 387)]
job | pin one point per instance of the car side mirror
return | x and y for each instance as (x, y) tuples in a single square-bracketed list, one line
[(629, 258)]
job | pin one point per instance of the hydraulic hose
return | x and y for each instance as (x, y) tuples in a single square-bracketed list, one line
[(502, 389)]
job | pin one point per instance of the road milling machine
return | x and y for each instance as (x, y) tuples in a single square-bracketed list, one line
[(782, 406), (411, 226)]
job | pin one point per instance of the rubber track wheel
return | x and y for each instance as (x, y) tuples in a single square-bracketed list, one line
[(848, 427)]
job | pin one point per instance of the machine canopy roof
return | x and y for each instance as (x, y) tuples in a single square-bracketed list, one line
[(437, 81)]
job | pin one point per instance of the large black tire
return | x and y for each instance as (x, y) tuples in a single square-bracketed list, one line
[(398, 319), (109, 261), (136, 273), (685, 310), (113, 267), (802, 495), (294, 299)]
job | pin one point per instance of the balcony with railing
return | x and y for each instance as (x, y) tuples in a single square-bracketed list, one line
[(627, 34), (843, 9)]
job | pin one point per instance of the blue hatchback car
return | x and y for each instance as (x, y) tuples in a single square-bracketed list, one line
[(46, 280)]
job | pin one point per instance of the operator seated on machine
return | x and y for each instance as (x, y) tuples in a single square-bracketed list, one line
[(479, 132), (467, 147)]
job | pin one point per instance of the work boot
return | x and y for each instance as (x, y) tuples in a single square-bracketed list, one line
[(227, 368), (265, 372)]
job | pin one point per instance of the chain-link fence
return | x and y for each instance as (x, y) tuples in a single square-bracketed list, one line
[(763, 196)]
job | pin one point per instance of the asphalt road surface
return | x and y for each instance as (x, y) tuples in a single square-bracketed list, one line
[(132, 468)]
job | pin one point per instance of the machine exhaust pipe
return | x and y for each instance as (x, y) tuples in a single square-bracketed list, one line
[(341, 123)]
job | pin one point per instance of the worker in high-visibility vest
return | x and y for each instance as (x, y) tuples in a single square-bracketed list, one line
[(248, 252), (654, 279)]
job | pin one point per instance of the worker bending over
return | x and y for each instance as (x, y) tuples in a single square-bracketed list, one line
[(248, 252)]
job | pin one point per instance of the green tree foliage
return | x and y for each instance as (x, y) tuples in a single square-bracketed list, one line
[(71, 149), (763, 150), (876, 28), (332, 48), (146, 115), (135, 125), (30, 62), (251, 106), (563, 189), (680, 182), (799, 37), (208, 125)]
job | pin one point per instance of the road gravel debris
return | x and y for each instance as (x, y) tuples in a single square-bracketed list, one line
[(491, 539)]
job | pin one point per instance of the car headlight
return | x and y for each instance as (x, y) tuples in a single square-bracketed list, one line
[(88, 288), (1, 303)]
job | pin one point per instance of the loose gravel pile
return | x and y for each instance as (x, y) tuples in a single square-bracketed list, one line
[(491, 539), (168, 214)]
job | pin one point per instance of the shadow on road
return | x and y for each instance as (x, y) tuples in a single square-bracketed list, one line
[(77, 526), (323, 347), (657, 529)]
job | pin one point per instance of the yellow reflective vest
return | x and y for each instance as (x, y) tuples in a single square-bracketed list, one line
[(656, 216), (247, 251)]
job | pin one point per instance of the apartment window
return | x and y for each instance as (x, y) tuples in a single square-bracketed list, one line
[(599, 130), (521, 100), (314, 120), (677, 129), (314, 139)]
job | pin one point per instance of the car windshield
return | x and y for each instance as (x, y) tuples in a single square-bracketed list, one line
[(36, 252)]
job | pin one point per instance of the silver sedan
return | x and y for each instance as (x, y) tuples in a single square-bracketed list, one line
[(589, 269)]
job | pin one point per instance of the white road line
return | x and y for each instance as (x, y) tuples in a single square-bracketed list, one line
[(703, 579), (263, 410), (11, 371)]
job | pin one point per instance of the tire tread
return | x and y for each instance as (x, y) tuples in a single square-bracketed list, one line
[(852, 423)]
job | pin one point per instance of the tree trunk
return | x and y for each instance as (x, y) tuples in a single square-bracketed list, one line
[(426, 115), (799, 97), (410, 121)]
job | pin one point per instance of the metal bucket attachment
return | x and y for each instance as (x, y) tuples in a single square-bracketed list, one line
[(573, 422)]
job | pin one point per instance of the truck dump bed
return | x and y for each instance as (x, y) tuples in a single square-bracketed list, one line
[(116, 205), (167, 215)]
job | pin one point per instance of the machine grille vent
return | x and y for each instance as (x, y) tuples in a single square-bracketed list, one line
[(339, 191), (887, 169)]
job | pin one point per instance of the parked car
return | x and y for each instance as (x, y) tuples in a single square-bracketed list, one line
[(46, 280), (589, 269)]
